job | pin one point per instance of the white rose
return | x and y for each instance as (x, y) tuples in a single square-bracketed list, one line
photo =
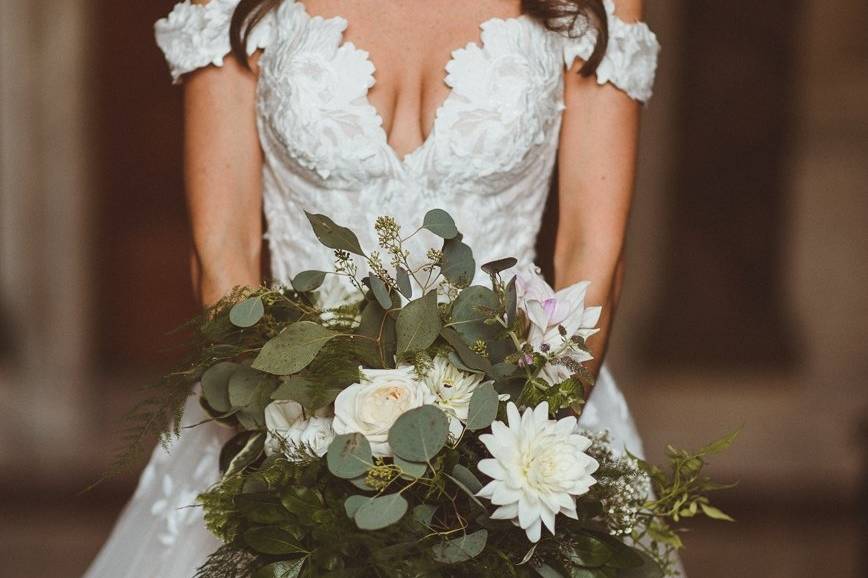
[(318, 435), (284, 421), (289, 428), (372, 406)]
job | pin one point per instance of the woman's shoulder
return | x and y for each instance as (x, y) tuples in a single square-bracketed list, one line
[(195, 34), (630, 61)]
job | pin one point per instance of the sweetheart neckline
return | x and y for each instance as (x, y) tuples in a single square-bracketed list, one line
[(406, 159)]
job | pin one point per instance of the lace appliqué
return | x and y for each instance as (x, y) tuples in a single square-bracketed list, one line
[(630, 62), (193, 36)]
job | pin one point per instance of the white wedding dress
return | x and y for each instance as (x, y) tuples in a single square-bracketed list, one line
[(488, 160)]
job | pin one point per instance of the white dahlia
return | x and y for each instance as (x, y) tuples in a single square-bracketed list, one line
[(539, 467)]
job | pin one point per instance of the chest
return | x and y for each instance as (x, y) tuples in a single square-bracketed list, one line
[(369, 87)]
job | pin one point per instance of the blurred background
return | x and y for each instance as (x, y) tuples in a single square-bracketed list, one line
[(746, 302)]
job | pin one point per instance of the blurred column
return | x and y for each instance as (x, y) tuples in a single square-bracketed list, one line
[(44, 269), (724, 299)]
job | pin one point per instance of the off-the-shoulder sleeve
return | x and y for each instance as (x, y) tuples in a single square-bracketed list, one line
[(630, 62), (193, 36)]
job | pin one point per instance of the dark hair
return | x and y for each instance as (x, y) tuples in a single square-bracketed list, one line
[(556, 15)]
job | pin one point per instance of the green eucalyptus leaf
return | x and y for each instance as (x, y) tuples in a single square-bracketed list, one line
[(483, 407), (405, 286), (419, 434), (440, 223), (293, 349), (281, 569), (378, 350), (308, 281), (411, 470), (380, 512), (461, 549), (273, 541), (380, 291), (349, 456), (247, 313), (424, 514), (334, 236), (215, 385), (353, 503), (466, 477), (249, 393), (418, 324), (467, 355), (495, 267), (458, 265), (472, 307), (308, 393)]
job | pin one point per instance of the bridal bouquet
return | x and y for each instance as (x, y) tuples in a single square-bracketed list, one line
[(407, 422)]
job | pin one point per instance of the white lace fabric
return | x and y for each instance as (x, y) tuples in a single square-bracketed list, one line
[(488, 160)]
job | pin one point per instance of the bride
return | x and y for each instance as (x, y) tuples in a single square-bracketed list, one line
[(363, 108)]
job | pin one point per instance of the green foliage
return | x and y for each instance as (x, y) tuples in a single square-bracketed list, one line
[(293, 349), (334, 236), (458, 266), (308, 281), (247, 313), (380, 512), (484, 405), (349, 456), (419, 434), (418, 324), (440, 223)]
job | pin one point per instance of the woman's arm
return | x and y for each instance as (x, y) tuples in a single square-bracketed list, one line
[(597, 167), (223, 163)]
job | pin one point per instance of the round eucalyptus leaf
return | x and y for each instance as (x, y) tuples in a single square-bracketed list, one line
[(308, 281), (440, 223), (249, 393), (281, 569), (353, 503), (483, 408), (273, 541), (215, 385), (349, 456), (424, 513), (418, 324), (419, 434), (461, 549), (411, 470), (247, 313), (293, 349), (381, 512)]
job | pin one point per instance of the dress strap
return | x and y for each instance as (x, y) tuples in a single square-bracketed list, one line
[(630, 62), (193, 36)]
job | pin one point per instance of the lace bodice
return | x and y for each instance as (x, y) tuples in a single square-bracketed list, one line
[(488, 159)]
